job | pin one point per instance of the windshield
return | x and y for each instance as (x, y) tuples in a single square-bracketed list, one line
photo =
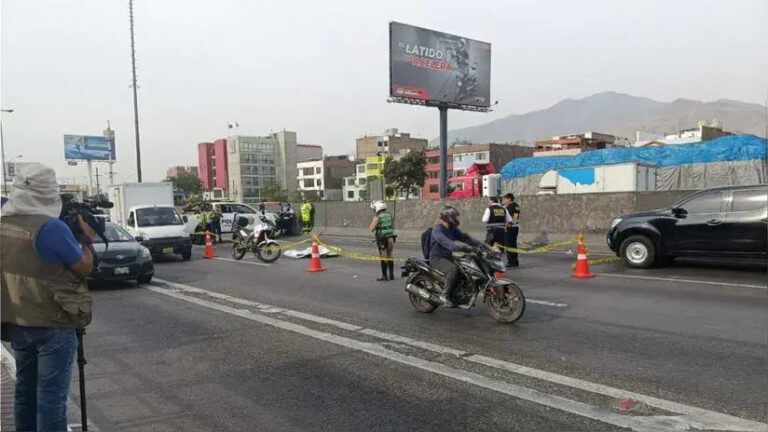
[(158, 216), (114, 233)]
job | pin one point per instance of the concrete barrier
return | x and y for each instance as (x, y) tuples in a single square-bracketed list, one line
[(539, 213)]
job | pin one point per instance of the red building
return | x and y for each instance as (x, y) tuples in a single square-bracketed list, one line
[(431, 189), (212, 163)]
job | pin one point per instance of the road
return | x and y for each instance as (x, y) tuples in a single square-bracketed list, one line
[(216, 345)]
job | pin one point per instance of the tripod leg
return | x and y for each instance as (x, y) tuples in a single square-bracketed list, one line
[(81, 372)]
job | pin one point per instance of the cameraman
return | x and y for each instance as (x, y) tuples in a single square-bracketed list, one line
[(44, 296)]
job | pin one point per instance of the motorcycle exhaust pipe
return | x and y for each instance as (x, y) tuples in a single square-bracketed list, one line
[(421, 292)]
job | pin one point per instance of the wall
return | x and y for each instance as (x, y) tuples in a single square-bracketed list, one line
[(550, 213)]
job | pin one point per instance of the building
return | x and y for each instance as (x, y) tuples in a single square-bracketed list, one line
[(257, 162), (213, 164), (391, 142), (704, 132), (326, 176), (174, 171), (569, 145), (431, 189), (308, 152)]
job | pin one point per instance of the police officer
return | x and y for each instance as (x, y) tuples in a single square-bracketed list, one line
[(513, 228), (306, 216), (495, 219), (384, 229)]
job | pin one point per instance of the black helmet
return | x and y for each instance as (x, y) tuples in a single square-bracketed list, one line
[(451, 215)]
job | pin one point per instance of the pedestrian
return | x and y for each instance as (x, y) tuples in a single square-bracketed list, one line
[(384, 229), (306, 216), (215, 219), (44, 296), (495, 219), (512, 229)]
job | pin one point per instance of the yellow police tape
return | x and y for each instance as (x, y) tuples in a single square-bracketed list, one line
[(542, 249), (357, 255), (283, 247)]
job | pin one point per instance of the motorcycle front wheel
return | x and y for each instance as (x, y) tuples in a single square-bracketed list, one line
[(508, 309), (238, 250), (269, 253)]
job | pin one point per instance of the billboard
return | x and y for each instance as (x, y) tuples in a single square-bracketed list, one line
[(436, 67), (84, 147)]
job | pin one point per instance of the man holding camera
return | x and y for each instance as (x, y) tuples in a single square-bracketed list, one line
[(44, 296)]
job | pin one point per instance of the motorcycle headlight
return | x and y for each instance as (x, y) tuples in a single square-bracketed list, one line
[(615, 222), (145, 253)]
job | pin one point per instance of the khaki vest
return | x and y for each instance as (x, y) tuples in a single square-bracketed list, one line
[(34, 292)]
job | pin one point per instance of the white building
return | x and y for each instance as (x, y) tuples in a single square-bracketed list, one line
[(704, 132), (310, 176), (256, 162), (354, 185)]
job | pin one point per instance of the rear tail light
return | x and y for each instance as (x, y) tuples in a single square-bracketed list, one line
[(499, 275)]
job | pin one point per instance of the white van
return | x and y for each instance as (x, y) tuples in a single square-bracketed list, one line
[(161, 229)]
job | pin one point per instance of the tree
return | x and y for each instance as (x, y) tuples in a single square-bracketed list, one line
[(274, 193), (407, 173), (188, 182)]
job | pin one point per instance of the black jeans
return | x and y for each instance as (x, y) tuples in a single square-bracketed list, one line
[(511, 241), (494, 235), (451, 271)]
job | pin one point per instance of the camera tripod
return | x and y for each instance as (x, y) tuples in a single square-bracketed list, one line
[(81, 362)]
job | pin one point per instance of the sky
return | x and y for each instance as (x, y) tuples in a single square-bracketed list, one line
[(320, 68)]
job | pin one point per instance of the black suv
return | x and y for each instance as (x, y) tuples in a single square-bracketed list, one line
[(719, 222)]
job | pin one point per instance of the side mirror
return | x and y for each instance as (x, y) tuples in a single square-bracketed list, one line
[(139, 239), (185, 218), (679, 212)]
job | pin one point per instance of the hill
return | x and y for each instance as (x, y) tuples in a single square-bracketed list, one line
[(618, 114)]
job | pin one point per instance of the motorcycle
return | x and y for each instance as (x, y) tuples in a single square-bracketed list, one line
[(254, 240), (479, 271)]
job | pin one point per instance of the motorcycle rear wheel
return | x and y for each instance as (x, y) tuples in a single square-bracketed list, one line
[(238, 251), (510, 308), (417, 301)]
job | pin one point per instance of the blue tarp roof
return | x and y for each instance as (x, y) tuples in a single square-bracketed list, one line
[(723, 149)]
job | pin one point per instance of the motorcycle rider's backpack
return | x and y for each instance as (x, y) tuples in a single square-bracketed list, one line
[(426, 242)]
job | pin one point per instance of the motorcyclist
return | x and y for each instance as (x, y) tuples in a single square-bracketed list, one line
[(443, 245), (384, 228)]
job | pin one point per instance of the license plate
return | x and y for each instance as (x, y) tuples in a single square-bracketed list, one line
[(168, 250), (122, 270)]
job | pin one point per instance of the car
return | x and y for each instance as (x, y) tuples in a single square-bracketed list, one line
[(724, 222), (123, 258)]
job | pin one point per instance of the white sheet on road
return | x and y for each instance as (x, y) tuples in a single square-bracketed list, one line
[(306, 253)]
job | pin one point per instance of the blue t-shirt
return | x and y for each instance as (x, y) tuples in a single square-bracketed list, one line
[(56, 243)]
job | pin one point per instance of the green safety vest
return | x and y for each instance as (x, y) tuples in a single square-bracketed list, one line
[(386, 228), (306, 212)]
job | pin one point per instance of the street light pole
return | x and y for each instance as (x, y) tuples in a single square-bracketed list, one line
[(2, 151), (135, 95)]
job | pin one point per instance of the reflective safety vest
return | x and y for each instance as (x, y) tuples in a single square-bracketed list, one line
[(498, 216), (386, 228), (306, 212)]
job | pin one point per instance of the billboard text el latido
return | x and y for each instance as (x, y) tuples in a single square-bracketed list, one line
[(438, 67)]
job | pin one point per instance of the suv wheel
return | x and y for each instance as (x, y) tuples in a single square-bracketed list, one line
[(638, 251)]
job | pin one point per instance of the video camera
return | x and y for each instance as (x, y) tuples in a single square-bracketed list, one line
[(89, 211)]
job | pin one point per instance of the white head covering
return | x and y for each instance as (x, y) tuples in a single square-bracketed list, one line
[(34, 192)]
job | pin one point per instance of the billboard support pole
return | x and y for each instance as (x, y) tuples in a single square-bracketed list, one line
[(90, 177), (443, 150), (135, 96)]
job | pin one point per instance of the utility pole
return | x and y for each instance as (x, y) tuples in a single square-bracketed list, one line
[(135, 96), (98, 190), (2, 152), (109, 133)]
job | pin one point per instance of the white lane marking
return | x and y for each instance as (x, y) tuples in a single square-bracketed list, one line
[(692, 281), (692, 417), (546, 303), (243, 262), (648, 423)]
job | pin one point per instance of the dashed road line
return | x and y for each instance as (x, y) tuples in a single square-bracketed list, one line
[(676, 280)]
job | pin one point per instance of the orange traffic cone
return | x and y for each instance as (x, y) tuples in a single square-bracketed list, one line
[(314, 263), (209, 253), (582, 265)]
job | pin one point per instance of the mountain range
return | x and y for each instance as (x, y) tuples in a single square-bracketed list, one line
[(618, 114)]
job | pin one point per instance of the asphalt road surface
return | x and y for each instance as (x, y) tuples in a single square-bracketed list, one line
[(219, 345)]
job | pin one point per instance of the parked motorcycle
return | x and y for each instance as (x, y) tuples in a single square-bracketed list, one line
[(254, 240), (479, 271)]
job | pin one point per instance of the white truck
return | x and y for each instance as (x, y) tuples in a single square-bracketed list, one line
[(146, 210)]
